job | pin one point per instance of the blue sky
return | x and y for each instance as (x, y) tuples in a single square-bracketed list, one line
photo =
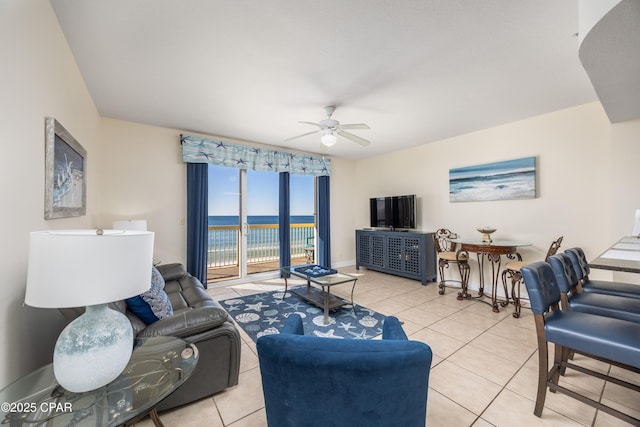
[(262, 192)]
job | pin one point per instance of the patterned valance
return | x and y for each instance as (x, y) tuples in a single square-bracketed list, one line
[(203, 150)]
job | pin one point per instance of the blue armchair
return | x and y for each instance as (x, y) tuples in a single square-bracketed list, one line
[(313, 381)]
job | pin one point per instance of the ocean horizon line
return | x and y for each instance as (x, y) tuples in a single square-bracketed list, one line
[(257, 219)]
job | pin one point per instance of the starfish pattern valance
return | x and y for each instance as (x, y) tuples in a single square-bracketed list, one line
[(203, 150)]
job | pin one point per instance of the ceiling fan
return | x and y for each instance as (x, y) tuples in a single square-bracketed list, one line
[(330, 128)]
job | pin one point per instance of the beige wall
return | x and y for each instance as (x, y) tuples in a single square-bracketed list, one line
[(574, 152), (344, 204), (143, 177), (38, 78)]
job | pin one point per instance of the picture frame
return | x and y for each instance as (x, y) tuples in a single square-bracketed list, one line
[(65, 173), (506, 180)]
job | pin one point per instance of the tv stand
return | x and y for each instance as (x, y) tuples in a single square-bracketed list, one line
[(408, 254)]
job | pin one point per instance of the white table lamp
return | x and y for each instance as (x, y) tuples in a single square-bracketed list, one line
[(73, 268)]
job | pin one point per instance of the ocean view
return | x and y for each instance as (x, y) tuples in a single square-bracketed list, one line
[(257, 219), (262, 242)]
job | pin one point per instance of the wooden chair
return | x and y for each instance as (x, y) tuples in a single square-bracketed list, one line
[(512, 271), (447, 253)]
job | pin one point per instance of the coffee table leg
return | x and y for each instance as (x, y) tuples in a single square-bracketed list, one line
[(353, 306), (286, 285), (325, 302)]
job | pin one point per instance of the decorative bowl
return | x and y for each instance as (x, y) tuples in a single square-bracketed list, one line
[(486, 229), (486, 233)]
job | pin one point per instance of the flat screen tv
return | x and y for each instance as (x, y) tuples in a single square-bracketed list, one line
[(393, 212)]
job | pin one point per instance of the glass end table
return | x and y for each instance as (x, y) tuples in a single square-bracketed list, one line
[(158, 366)]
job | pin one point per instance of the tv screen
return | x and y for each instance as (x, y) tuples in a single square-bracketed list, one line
[(381, 212), (393, 212), (404, 212)]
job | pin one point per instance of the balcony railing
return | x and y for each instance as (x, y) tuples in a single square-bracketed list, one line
[(262, 243)]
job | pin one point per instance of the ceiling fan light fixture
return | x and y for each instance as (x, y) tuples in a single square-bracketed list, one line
[(328, 139), (330, 127)]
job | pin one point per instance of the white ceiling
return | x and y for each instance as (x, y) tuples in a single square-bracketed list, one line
[(415, 71)]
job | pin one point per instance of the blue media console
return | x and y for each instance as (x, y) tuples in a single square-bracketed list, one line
[(408, 254)]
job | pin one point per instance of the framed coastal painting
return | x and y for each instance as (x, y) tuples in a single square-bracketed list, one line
[(507, 180), (65, 173)]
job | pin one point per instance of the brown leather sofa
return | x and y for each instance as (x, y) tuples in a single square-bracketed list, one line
[(198, 319)]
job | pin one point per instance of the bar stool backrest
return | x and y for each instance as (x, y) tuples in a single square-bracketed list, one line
[(442, 240)]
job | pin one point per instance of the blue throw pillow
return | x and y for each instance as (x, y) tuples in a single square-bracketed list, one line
[(153, 304)]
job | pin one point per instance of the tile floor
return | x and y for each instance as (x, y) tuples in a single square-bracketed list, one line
[(484, 370)]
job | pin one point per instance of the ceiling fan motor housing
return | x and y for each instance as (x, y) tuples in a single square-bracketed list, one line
[(329, 123)]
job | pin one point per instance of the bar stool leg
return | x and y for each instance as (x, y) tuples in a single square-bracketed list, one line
[(516, 279), (442, 264)]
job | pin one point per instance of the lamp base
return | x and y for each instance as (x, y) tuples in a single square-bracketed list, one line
[(93, 349)]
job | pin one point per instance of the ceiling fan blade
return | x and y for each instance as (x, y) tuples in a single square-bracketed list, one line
[(354, 126), (314, 124), (300, 136), (353, 138)]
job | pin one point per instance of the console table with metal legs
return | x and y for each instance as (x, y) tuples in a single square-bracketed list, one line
[(490, 252)]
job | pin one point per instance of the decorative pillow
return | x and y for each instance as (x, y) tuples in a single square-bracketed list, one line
[(153, 304)]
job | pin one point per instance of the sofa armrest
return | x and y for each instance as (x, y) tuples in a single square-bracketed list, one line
[(293, 325), (392, 329), (187, 322)]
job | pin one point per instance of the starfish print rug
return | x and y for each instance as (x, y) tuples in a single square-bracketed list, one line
[(266, 313)]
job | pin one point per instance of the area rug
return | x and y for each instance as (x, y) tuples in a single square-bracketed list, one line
[(266, 313)]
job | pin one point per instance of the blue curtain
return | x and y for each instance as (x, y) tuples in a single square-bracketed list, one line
[(284, 221), (197, 220), (324, 223)]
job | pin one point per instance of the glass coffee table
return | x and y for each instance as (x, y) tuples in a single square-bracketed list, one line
[(158, 366), (320, 293)]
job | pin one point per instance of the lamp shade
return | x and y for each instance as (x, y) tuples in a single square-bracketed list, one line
[(73, 268), (89, 268), (328, 139), (131, 224)]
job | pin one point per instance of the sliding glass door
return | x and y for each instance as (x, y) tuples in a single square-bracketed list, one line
[(261, 222), (224, 236), (243, 222)]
